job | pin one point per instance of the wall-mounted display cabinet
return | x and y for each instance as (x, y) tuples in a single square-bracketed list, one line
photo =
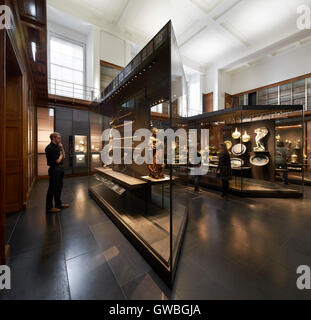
[(266, 149)]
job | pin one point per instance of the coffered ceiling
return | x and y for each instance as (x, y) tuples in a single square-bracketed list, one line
[(226, 34)]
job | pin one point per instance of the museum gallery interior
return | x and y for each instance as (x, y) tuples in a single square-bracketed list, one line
[(89, 69)]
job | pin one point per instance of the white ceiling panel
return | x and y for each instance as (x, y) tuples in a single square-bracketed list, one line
[(256, 21), (182, 21), (207, 5), (110, 9), (207, 46), (146, 17)]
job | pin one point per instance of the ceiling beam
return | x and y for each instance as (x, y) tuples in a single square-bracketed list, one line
[(210, 22), (121, 12), (257, 53), (211, 8), (193, 36), (225, 13)]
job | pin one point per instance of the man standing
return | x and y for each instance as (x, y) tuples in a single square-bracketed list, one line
[(55, 154)]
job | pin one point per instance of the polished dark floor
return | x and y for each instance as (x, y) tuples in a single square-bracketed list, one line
[(235, 248)]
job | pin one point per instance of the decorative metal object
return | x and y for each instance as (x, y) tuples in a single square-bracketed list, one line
[(246, 137), (294, 158), (228, 144), (261, 133), (260, 160), (238, 149), (236, 134), (237, 163)]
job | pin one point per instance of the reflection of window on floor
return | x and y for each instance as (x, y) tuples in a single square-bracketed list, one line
[(45, 124), (66, 68)]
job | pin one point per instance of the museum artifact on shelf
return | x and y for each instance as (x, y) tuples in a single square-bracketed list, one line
[(261, 133), (246, 137), (238, 149), (79, 153), (156, 170), (236, 134)]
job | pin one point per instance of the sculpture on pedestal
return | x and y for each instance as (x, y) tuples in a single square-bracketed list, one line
[(156, 170)]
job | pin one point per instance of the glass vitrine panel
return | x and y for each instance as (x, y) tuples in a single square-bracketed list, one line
[(137, 193)]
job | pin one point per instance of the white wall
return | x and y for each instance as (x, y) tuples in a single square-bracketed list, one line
[(272, 70), (114, 49), (211, 84), (96, 58), (195, 94)]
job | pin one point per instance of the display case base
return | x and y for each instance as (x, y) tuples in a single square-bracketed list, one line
[(165, 270), (256, 189)]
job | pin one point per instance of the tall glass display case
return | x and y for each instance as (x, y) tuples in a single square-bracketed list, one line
[(265, 145), (145, 201)]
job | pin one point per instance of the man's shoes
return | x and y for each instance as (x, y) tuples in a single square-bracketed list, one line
[(64, 206), (53, 210)]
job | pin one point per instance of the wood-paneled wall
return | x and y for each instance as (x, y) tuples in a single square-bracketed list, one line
[(14, 142), (208, 102), (31, 143), (18, 97)]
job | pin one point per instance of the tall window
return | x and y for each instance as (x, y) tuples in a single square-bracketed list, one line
[(67, 71)]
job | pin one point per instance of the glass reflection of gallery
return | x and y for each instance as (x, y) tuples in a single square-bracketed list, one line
[(148, 204)]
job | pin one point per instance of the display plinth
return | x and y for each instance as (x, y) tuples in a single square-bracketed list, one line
[(121, 178)]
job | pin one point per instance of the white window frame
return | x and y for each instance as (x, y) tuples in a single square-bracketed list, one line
[(73, 41)]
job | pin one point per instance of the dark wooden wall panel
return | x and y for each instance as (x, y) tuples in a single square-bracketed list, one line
[(228, 101), (14, 144), (208, 102)]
